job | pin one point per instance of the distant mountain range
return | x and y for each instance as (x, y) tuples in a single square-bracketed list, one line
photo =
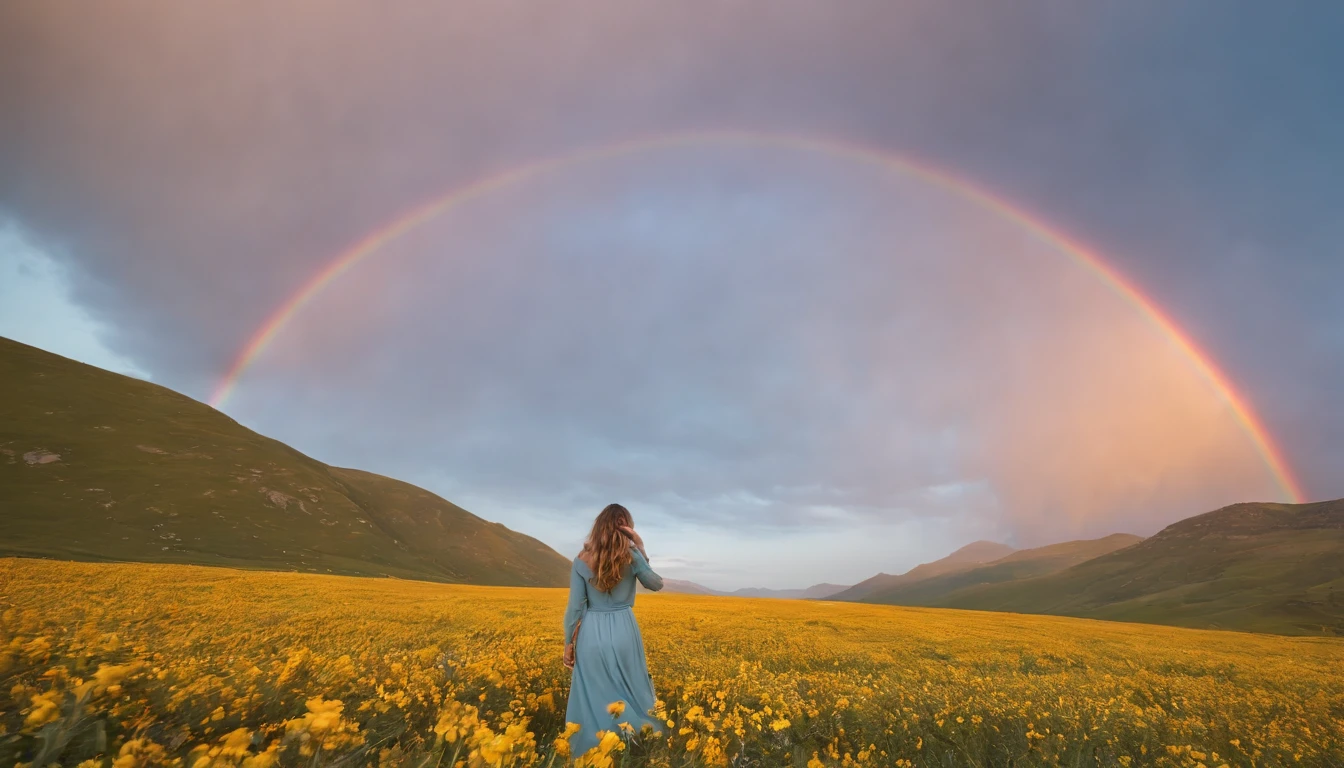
[(1257, 566), (99, 466), (936, 583), (821, 591), (814, 592), (967, 557)]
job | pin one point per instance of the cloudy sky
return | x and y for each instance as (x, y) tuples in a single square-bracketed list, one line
[(795, 364)]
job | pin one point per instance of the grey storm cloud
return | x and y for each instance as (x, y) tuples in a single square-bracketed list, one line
[(636, 328)]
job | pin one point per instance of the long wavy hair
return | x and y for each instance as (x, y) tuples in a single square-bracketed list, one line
[(607, 549)]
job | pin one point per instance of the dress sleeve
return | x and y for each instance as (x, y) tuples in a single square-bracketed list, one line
[(578, 602), (644, 572)]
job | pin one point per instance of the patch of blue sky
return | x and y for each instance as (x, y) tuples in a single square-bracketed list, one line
[(37, 306)]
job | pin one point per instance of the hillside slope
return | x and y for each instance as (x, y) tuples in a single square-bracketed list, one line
[(1023, 564), (99, 466), (1257, 566), (964, 559)]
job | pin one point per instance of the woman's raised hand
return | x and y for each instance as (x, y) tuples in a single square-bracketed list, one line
[(635, 539)]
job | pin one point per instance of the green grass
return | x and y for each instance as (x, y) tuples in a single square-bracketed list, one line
[(147, 474)]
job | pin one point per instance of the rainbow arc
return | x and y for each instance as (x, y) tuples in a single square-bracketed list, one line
[(1084, 257)]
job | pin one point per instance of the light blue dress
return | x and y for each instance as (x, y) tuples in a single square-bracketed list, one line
[(609, 663)]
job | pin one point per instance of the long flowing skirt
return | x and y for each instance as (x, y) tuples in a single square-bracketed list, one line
[(609, 666)]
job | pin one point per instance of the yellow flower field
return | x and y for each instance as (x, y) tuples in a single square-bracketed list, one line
[(130, 665)]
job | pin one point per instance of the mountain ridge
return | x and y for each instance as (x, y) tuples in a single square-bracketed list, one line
[(1024, 563), (95, 465), (963, 558), (814, 592), (1258, 566)]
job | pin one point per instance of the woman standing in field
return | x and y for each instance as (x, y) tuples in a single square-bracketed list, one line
[(607, 658)]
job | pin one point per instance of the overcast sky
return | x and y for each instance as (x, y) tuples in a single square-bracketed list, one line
[(792, 365)]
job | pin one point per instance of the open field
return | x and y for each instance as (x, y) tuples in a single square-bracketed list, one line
[(152, 664)]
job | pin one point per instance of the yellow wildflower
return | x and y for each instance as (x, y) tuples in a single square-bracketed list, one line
[(45, 708)]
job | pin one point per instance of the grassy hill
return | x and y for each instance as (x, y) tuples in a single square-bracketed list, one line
[(1257, 566), (964, 559), (99, 466), (1023, 564)]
